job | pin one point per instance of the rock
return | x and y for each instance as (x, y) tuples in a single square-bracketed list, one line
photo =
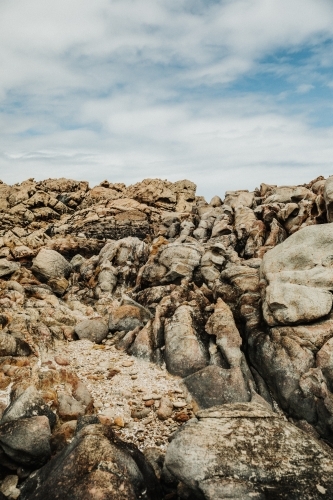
[(215, 386), (165, 409), (328, 197), (12, 346), (184, 352), (28, 404), (26, 441), (93, 329), (222, 325), (96, 464), (298, 276), (126, 318), (8, 267), (8, 487), (286, 303), (63, 436), (50, 264), (69, 408), (229, 447), (180, 260)]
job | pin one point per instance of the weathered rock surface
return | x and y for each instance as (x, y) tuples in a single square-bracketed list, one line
[(275, 460), (26, 441), (95, 465)]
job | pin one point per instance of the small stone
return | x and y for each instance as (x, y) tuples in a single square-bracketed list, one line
[(150, 402), (158, 442), (98, 404), (178, 404), (165, 409), (321, 489), (147, 397), (134, 377), (181, 417), (60, 360), (119, 421), (127, 363), (140, 413), (111, 373)]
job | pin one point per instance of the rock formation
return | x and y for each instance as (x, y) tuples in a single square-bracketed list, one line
[(157, 346)]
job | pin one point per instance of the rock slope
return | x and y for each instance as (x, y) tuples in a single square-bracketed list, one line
[(154, 345)]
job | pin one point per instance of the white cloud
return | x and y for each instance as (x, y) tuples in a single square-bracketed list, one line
[(123, 89)]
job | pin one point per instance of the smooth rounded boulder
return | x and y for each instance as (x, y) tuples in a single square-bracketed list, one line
[(93, 329), (50, 264)]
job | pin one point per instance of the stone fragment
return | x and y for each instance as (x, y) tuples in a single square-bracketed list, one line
[(8, 267)]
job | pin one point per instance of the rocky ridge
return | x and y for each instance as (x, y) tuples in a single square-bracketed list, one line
[(154, 345)]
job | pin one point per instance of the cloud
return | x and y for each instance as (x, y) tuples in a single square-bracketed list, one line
[(202, 89)]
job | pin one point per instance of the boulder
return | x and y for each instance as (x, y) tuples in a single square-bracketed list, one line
[(126, 318), (50, 264), (93, 329), (298, 276), (8, 267), (184, 351), (221, 324), (244, 451), (96, 464), (28, 404), (214, 385), (26, 441)]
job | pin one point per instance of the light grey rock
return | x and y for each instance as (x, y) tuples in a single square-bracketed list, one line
[(13, 346), (50, 264), (184, 352), (28, 404), (229, 450), (214, 385), (93, 329), (8, 267), (299, 275)]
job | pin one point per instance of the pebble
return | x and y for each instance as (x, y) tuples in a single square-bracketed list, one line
[(62, 361), (127, 363), (179, 404)]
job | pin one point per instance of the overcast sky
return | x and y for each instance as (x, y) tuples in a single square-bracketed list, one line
[(226, 93)]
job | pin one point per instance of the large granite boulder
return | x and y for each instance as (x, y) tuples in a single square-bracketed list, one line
[(244, 451), (299, 277)]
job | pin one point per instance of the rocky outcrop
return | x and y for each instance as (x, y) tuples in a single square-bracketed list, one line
[(231, 300)]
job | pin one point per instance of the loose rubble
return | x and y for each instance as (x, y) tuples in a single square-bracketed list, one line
[(155, 345)]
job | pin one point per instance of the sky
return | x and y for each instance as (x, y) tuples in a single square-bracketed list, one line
[(227, 93)]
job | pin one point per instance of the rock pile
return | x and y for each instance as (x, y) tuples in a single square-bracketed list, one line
[(154, 345)]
